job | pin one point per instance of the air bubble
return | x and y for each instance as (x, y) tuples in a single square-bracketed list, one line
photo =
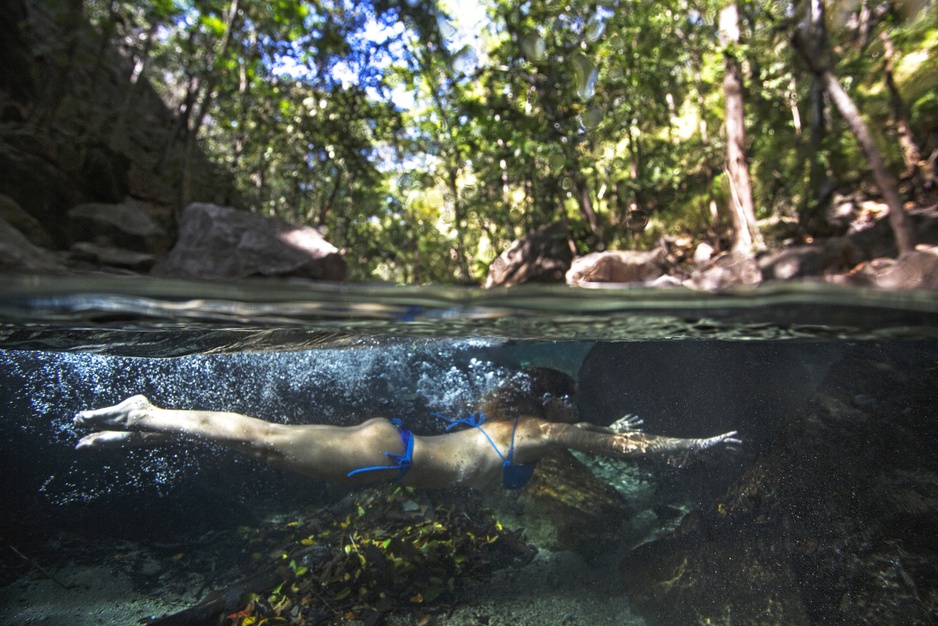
[(591, 118), (556, 163), (586, 75), (534, 47), (595, 29), (465, 61)]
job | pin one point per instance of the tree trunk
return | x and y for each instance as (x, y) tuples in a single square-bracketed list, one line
[(193, 132), (330, 204), (911, 153), (244, 99), (815, 54), (884, 180), (585, 202), (634, 203), (462, 261), (141, 63), (746, 236), (819, 181)]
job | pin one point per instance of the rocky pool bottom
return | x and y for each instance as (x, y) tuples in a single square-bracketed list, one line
[(394, 562), (828, 515)]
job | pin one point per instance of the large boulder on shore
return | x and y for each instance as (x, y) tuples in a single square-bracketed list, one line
[(221, 242), (619, 266), (915, 270), (542, 257)]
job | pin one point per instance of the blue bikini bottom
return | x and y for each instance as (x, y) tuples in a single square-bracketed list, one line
[(401, 462)]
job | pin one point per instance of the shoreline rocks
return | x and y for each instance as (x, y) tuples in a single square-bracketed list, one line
[(221, 242)]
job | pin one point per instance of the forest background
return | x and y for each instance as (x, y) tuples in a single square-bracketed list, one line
[(424, 137)]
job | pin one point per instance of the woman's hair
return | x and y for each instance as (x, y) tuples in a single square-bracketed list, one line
[(534, 391)]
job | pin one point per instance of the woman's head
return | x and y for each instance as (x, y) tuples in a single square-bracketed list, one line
[(534, 391)]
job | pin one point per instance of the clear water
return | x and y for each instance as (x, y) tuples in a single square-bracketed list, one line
[(827, 514)]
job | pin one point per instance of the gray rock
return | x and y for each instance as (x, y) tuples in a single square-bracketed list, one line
[(837, 254), (621, 266), (19, 254), (542, 257), (702, 254), (118, 225), (13, 213), (112, 257), (726, 271), (221, 242), (916, 270), (41, 188)]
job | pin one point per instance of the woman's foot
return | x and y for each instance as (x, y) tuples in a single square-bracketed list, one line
[(124, 416), (119, 439)]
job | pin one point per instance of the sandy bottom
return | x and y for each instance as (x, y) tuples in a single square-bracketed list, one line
[(555, 588), (96, 595)]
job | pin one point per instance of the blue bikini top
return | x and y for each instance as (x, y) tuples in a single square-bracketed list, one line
[(514, 475)]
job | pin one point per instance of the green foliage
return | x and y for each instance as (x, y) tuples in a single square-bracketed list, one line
[(423, 146)]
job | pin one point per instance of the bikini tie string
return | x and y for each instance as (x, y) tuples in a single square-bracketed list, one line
[(475, 420)]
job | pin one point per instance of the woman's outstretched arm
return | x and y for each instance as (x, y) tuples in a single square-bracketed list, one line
[(621, 441)]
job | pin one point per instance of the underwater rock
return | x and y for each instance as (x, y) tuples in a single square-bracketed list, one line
[(673, 582), (687, 388), (542, 257), (620, 266), (834, 523), (565, 507), (221, 242)]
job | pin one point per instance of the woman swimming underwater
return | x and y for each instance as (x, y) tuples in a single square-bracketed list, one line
[(528, 417)]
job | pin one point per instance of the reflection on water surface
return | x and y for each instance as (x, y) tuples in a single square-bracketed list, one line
[(146, 317)]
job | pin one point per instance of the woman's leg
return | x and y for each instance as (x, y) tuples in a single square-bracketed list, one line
[(327, 452), (142, 423)]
